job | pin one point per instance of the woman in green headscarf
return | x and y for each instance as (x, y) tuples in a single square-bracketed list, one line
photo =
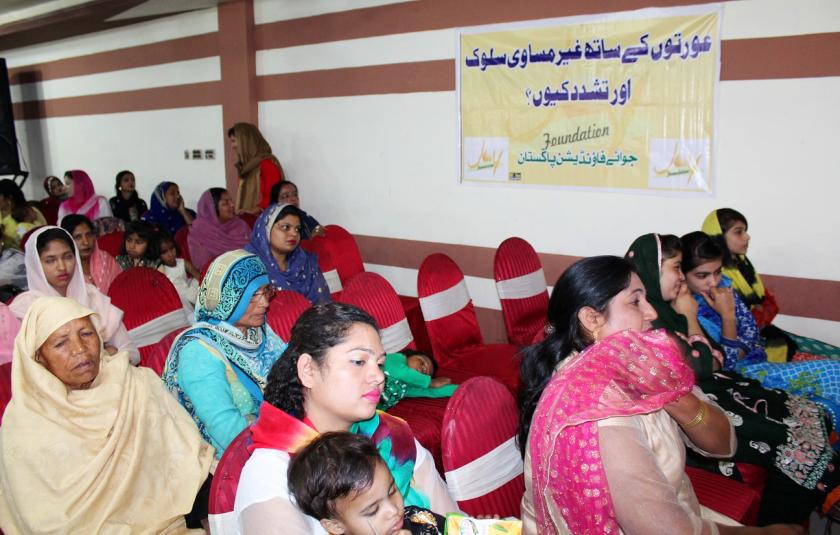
[(729, 227), (786, 435)]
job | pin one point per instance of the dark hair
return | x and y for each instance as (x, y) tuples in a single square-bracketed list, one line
[(216, 193), (412, 352), (699, 248), (591, 282), (119, 178), (145, 231), (288, 210), (671, 245), (728, 218), (231, 132), (332, 466), (275, 189), (51, 235), (319, 328), (10, 189), (164, 237), (19, 212), (71, 221)]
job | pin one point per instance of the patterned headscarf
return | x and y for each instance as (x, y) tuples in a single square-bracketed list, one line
[(223, 297)]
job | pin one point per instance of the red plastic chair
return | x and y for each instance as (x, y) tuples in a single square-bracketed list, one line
[(225, 482), (182, 239), (520, 283), (484, 470), (248, 218), (375, 295), (453, 327), (726, 496), (5, 387), (319, 247), (284, 311), (111, 243), (344, 251), (152, 312)]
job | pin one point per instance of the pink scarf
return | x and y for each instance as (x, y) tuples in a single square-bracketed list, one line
[(84, 201), (208, 237), (9, 327), (626, 374), (103, 269)]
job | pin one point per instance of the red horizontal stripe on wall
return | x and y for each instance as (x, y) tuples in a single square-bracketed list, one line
[(158, 98), (810, 298), (424, 15), (795, 56), (186, 48)]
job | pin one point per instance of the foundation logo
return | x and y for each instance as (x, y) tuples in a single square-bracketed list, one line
[(679, 164), (485, 158)]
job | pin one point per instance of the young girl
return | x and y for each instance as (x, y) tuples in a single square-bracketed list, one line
[(139, 247), (729, 228), (410, 374), (176, 270)]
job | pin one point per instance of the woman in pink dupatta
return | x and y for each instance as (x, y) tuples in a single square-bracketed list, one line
[(54, 248), (9, 327), (607, 405), (82, 198), (99, 268), (216, 229)]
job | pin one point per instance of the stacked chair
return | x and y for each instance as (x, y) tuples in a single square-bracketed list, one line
[(153, 313)]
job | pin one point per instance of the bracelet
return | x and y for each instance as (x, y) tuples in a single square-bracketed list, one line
[(697, 420)]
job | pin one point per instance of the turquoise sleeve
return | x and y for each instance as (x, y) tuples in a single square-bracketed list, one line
[(203, 380), (440, 392)]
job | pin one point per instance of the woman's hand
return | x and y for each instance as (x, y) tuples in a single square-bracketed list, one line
[(318, 231), (722, 300), (684, 303)]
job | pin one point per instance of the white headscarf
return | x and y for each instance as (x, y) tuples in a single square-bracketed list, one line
[(113, 331)]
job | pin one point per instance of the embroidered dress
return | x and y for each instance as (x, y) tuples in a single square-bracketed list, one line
[(302, 273), (216, 371), (786, 435), (817, 380)]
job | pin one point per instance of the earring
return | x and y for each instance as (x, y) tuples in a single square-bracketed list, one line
[(596, 334)]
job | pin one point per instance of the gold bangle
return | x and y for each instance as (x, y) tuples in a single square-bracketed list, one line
[(697, 420)]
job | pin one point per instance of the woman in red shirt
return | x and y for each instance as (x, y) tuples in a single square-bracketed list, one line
[(258, 168)]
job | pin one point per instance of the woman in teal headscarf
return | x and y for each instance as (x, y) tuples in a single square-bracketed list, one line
[(784, 434), (218, 368)]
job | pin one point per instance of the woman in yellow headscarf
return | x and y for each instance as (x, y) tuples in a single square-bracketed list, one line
[(729, 227), (258, 168), (89, 443)]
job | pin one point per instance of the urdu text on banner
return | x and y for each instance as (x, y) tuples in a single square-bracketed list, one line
[(622, 101)]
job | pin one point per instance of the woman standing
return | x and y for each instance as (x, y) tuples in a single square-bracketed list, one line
[(328, 379), (257, 167), (217, 229), (90, 444), (276, 240), (218, 368), (168, 210), (127, 204), (82, 198), (54, 268)]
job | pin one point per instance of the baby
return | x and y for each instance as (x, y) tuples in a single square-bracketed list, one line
[(340, 479), (408, 374)]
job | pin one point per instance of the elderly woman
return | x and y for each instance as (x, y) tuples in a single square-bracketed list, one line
[(329, 379), (217, 229), (276, 240), (54, 268), (90, 444), (218, 368)]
